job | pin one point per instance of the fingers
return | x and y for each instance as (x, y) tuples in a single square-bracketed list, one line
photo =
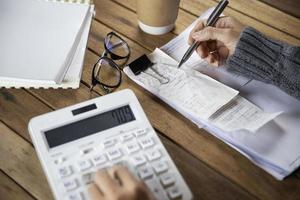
[(211, 33), (124, 176), (105, 182), (118, 183), (199, 26), (210, 56), (214, 59), (203, 50), (95, 193)]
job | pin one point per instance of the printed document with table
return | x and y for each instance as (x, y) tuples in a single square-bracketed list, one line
[(266, 133)]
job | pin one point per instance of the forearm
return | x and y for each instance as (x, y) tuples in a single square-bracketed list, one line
[(261, 58)]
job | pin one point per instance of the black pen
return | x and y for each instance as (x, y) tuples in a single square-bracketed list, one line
[(210, 22)]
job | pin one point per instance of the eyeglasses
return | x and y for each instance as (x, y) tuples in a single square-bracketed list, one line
[(106, 72)]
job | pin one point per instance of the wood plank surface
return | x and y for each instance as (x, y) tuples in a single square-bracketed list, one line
[(211, 168), (9, 190), (19, 161), (291, 7), (196, 7), (265, 14)]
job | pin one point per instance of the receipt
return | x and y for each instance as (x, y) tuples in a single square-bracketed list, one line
[(199, 97), (197, 93), (241, 114)]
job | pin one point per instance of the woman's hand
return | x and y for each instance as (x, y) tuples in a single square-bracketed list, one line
[(217, 43), (117, 183)]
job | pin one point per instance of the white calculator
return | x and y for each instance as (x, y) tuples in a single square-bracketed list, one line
[(74, 142)]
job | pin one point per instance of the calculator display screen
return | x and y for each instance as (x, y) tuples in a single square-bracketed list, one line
[(89, 126)]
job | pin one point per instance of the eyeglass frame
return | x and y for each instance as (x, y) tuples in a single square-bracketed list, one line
[(111, 62)]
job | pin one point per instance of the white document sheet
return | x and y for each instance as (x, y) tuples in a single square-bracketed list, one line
[(39, 38), (202, 98), (73, 75), (274, 146)]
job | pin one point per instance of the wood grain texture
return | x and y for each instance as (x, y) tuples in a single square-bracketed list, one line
[(10, 190), (211, 168), (268, 15), (291, 7), (253, 18), (263, 22), (19, 161)]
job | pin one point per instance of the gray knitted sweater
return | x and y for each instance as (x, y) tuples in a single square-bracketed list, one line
[(271, 61)]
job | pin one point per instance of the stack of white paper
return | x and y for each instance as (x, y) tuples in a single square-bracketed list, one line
[(42, 43), (268, 139)]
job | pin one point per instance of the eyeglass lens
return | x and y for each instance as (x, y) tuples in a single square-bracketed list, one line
[(106, 73), (116, 45)]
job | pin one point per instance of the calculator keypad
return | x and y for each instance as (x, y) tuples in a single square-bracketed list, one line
[(147, 142), (114, 154), (76, 196), (65, 171), (153, 155), (167, 180), (137, 150), (71, 184), (99, 159), (132, 147), (138, 160), (85, 165), (145, 172)]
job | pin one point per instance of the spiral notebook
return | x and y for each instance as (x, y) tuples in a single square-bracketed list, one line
[(47, 53)]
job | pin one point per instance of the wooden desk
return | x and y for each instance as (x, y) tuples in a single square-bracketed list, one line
[(211, 168)]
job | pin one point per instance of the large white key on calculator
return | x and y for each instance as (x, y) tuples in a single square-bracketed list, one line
[(74, 142)]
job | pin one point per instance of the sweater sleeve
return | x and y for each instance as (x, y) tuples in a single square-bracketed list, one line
[(262, 58)]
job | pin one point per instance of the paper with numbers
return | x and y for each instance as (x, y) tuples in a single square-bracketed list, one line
[(200, 97)]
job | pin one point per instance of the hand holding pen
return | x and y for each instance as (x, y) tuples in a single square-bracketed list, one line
[(210, 22), (216, 43)]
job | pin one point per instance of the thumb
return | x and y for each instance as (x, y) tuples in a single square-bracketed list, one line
[(211, 33)]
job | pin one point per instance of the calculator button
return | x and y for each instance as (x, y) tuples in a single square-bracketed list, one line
[(84, 165), (71, 184), (87, 178), (145, 172), (114, 154), (99, 159), (76, 196), (86, 151), (132, 147), (126, 137), (147, 142), (153, 155), (138, 160), (174, 192), (140, 132), (109, 143), (167, 180), (65, 171), (156, 189), (60, 160), (160, 167)]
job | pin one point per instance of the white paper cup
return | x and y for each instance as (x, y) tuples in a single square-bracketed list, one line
[(155, 30)]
